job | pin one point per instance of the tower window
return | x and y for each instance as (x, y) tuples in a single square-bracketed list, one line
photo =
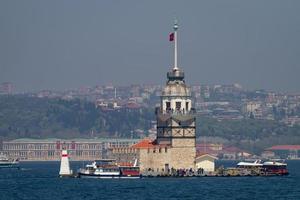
[(178, 105), (168, 105), (186, 105)]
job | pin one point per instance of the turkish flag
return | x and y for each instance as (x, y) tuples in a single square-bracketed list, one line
[(171, 37)]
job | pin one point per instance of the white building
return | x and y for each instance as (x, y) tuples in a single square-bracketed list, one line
[(206, 162), (254, 107)]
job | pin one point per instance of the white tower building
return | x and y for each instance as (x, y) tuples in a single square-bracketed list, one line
[(65, 165)]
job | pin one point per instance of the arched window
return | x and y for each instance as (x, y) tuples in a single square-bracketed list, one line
[(168, 105), (178, 105)]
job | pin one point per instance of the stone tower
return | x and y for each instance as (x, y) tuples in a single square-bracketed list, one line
[(175, 143), (176, 121)]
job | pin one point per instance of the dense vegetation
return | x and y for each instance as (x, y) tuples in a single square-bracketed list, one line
[(253, 135), (23, 116)]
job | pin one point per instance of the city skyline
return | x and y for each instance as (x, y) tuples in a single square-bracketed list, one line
[(57, 45)]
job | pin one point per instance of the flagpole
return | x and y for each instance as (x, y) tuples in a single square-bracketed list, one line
[(175, 45)]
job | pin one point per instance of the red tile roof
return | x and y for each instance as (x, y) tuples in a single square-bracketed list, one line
[(145, 143), (285, 147), (231, 150), (148, 143)]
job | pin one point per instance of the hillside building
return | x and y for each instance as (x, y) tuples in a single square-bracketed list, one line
[(285, 151)]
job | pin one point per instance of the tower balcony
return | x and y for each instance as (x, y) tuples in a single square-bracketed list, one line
[(159, 111), (175, 75)]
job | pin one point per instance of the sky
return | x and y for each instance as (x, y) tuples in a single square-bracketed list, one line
[(61, 44)]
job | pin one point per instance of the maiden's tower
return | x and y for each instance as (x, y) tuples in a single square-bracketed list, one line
[(175, 143)]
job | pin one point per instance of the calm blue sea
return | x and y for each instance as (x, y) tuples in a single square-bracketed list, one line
[(39, 180)]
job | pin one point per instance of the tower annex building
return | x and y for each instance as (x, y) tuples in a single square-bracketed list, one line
[(175, 143)]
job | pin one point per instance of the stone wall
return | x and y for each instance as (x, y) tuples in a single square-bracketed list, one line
[(122, 154), (183, 157), (154, 158), (171, 157), (183, 142)]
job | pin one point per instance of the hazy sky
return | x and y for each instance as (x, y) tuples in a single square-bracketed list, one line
[(60, 44)]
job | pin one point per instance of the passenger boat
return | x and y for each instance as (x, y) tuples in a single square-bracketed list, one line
[(129, 172), (5, 162), (275, 168), (267, 168), (255, 164), (107, 168)]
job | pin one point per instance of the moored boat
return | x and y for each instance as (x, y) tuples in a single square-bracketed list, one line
[(108, 168), (129, 172), (275, 168), (5, 162), (267, 168)]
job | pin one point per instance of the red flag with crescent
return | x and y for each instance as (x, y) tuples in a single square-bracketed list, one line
[(171, 37)]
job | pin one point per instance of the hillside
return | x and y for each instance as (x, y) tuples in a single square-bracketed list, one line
[(23, 116), (31, 117)]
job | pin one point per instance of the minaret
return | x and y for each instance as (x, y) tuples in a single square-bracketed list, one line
[(176, 121)]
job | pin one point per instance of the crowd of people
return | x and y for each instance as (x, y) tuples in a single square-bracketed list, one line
[(175, 172)]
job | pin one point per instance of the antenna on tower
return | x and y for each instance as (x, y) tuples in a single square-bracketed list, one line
[(175, 27)]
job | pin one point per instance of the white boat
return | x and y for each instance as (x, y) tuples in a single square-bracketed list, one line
[(256, 163), (275, 167), (5, 162), (100, 169), (107, 168), (265, 168)]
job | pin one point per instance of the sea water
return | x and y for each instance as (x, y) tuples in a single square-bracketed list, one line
[(39, 180)]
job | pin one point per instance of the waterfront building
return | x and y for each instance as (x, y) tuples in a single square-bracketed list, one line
[(206, 162), (285, 151), (50, 149)]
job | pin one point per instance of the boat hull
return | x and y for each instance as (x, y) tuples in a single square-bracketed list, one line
[(9, 165), (81, 175)]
